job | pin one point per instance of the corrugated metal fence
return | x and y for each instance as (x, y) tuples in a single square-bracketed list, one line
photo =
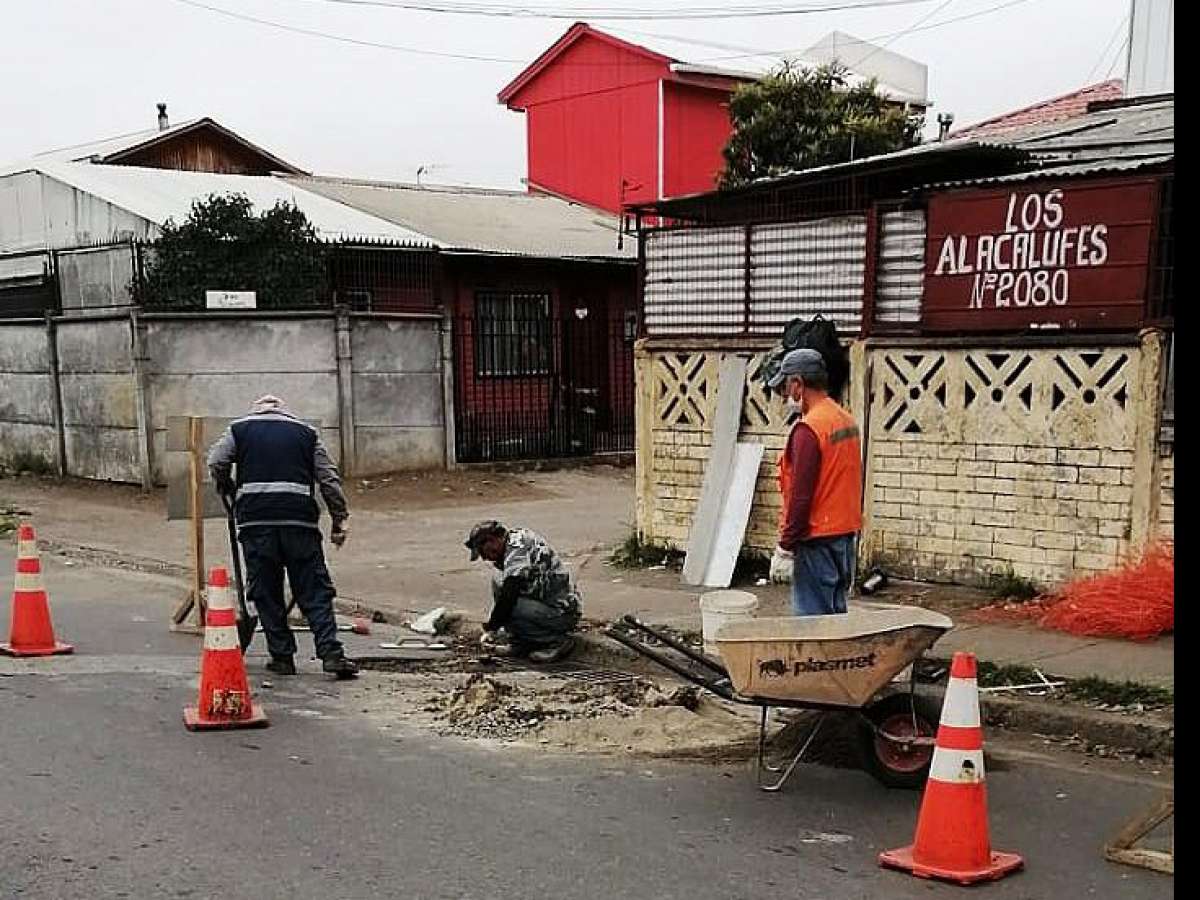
[(900, 267), (754, 279)]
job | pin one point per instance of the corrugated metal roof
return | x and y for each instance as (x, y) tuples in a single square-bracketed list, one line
[(1106, 132), (162, 194), (1135, 130), (484, 220), (1056, 109), (1075, 170)]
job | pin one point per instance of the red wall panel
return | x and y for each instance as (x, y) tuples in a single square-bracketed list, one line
[(695, 130), (585, 146)]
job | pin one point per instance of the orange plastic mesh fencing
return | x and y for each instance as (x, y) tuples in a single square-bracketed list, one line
[(1134, 601)]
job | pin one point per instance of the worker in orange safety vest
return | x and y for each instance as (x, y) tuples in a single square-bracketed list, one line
[(820, 476)]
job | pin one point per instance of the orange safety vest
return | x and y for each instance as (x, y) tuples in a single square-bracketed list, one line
[(837, 504)]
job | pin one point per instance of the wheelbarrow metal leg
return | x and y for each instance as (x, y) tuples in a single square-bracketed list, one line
[(803, 746)]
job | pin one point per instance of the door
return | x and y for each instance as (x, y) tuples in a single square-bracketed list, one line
[(584, 371)]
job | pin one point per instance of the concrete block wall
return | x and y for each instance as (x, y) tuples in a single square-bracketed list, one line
[(27, 429), (119, 383), (219, 366), (399, 415), (99, 399)]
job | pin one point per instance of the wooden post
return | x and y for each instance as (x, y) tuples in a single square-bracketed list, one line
[(195, 598), (1122, 849)]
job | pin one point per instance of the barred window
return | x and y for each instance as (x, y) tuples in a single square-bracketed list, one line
[(512, 334)]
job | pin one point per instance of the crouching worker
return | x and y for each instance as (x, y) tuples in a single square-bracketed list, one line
[(534, 602)]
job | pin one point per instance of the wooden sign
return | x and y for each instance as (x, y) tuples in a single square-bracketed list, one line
[(1044, 256)]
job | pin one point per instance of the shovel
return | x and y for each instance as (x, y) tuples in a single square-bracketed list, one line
[(247, 622)]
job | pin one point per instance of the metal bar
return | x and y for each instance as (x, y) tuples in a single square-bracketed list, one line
[(869, 266), (719, 687), (677, 645), (746, 274)]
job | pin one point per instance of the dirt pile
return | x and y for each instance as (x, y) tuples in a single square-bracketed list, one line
[(634, 715)]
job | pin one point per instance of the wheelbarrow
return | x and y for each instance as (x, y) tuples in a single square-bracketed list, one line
[(841, 664)]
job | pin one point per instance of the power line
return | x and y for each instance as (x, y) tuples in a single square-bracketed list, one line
[(1116, 57), (269, 23), (917, 24), (879, 37), (1121, 26), (617, 13)]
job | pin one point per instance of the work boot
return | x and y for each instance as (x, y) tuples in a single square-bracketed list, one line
[(337, 664), (282, 665), (554, 652)]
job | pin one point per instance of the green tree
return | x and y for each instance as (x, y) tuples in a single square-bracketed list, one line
[(224, 246), (798, 118)]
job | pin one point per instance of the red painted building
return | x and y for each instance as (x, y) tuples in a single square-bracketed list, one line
[(610, 122)]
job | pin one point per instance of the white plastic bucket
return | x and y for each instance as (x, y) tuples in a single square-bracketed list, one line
[(719, 607)]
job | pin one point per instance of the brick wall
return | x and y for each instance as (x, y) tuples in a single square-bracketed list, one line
[(958, 511), (1166, 509), (681, 390)]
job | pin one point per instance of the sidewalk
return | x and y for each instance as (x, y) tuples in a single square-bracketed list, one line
[(405, 556)]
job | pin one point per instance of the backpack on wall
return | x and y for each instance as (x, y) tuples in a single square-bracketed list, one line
[(819, 334)]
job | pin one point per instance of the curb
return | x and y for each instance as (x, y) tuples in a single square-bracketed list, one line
[(1145, 737)]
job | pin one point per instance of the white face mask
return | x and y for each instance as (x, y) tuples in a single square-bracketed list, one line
[(795, 406)]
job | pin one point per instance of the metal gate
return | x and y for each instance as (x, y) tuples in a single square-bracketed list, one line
[(530, 385)]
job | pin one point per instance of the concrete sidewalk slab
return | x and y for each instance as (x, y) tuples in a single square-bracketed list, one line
[(1063, 654)]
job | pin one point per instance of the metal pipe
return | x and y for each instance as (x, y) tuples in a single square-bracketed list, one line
[(676, 645), (717, 687)]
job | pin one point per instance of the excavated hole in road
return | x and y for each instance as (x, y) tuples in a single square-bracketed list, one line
[(576, 707)]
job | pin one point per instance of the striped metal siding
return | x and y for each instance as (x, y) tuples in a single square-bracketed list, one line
[(900, 267), (695, 281), (805, 268)]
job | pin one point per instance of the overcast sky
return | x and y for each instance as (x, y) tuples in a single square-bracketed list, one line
[(78, 70)]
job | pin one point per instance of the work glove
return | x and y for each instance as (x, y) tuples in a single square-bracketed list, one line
[(782, 563), (225, 486), (340, 532)]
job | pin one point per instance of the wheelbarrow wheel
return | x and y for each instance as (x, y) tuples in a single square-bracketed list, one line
[(882, 729)]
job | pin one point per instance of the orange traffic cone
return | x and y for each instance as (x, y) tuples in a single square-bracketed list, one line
[(32, 632), (225, 700), (952, 840)]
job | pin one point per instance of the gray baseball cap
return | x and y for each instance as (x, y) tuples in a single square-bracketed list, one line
[(479, 533), (804, 363)]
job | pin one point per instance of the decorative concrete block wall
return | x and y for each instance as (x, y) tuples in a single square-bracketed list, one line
[(979, 460)]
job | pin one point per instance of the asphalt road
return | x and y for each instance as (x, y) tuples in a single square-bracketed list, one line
[(104, 794)]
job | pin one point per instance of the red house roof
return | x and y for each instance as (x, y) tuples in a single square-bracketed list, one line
[(1068, 106), (675, 55)]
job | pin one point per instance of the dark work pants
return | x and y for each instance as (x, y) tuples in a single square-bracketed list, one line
[(821, 578), (537, 625), (269, 552)]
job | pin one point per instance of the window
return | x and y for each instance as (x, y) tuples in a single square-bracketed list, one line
[(512, 334)]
